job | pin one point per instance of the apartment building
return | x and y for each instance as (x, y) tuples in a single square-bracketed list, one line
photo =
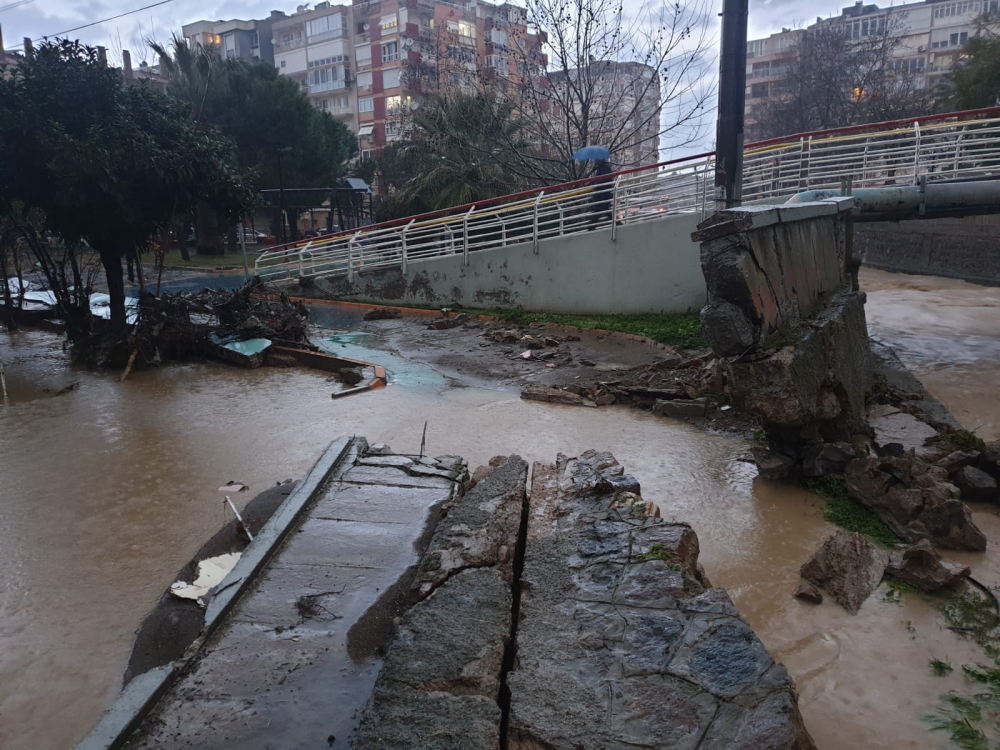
[(369, 62), (768, 63), (246, 40), (932, 32)]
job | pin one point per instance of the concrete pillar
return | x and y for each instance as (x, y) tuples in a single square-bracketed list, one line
[(102, 55), (127, 64), (29, 48), (1, 39)]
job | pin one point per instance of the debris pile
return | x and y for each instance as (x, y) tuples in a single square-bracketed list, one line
[(188, 325)]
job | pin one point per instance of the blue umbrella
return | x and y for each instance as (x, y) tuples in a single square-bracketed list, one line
[(592, 153)]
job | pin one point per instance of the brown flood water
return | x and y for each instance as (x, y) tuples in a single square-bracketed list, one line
[(107, 490)]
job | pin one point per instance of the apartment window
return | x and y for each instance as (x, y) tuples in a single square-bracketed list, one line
[(363, 54), (282, 63), (230, 45), (366, 104), (255, 39), (367, 154), (462, 28), (912, 65), (759, 90), (756, 48), (390, 78), (388, 22), (390, 51), (326, 61), (953, 40), (392, 103), (327, 27), (365, 80), (963, 37), (391, 128)]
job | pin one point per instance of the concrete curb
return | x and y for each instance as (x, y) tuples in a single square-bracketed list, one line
[(141, 695)]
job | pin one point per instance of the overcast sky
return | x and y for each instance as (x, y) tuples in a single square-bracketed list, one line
[(39, 18)]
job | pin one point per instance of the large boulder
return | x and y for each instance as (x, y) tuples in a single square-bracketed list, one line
[(922, 567), (915, 500), (975, 484), (849, 567)]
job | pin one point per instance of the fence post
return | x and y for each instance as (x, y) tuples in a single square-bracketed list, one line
[(465, 235), (806, 146), (916, 154), (302, 253), (534, 231), (958, 150), (864, 162), (403, 243), (614, 210), (350, 257)]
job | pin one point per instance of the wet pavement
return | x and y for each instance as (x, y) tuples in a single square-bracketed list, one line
[(294, 664)]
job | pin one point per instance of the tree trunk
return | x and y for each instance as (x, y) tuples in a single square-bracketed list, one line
[(231, 240), (180, 232), (112, 263), (8, 302), (209, 239)]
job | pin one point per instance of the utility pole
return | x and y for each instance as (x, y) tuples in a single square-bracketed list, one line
[(732, 101)]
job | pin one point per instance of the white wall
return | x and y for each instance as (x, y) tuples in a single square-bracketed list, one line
[(652, 267), (295, 61)]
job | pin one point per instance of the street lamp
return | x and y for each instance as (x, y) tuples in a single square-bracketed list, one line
[(281, 194)]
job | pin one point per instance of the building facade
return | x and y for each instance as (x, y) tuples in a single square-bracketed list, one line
[(932, 33), (368, 63), (245, 40)]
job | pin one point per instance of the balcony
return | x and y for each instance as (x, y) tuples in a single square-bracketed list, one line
[(365, 38), (319, 88), (290, 45), (325, 36)]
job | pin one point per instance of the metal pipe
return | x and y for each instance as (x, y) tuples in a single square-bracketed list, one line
[(930, 200)]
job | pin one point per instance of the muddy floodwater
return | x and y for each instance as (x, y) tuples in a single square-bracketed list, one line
[(108, 489)]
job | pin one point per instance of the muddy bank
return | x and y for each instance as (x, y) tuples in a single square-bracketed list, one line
[(175, 623)]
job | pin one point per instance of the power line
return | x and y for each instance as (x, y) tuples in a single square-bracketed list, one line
[(96, 23), (18, 4)]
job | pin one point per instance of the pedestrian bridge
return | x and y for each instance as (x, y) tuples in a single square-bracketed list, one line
[(654, 210)]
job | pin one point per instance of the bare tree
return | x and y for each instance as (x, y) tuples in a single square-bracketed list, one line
[(574, 73), (838, 79)]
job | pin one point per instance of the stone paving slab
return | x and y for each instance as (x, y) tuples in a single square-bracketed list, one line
[(287, 671)]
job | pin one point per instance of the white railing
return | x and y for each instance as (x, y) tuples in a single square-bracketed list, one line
[(961, 145)]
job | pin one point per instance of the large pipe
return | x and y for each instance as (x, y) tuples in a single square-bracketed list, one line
[(926, 201)]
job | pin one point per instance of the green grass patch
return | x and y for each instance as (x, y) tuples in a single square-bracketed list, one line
[(681, 330), (961, 440), (896, 589), (844, 511), (940, 668), (173, 258), (970, 611)]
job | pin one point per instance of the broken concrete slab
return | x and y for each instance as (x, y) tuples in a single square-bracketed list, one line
[(480, 530), (693, 409), (553, 396), (902, 428), (849, 567), (922, 567), (621, 642)]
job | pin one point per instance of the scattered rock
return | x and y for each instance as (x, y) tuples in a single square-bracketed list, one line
[(252, 323), (694, 409), (550, 341), (530, 342), (957, 460), (379, 449), (922, 567), (915, 500), (383, 313), (506, 336), (829, 458), (808, 593), (586, 362), (990, 460), (849, 567), (350, 376), (975, 484), (773, 464), (553, 396), (605, 400), (892, 450), (443, 324)]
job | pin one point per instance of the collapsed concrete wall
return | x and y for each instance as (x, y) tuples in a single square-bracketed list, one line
[(784, 312), (651, 267), (609, 637), (966, 248)]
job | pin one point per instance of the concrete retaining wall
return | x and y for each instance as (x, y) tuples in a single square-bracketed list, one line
[(651, 268), (967, 249)]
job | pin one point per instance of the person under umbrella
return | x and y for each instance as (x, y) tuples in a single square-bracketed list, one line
[(600, 200)]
